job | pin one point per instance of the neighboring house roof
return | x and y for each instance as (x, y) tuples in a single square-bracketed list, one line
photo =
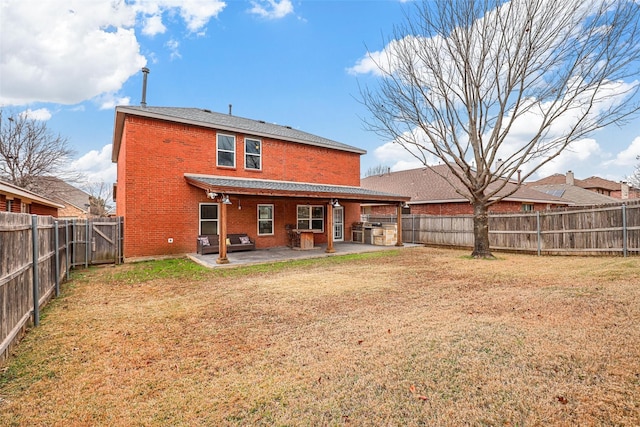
[(224, 122), (289, 189), (593, 182), (435, 184), (27, 196), (58, 190), (597, 182), (577, 195)]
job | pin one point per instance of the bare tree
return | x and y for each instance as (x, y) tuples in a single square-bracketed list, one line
[(634, 178), (29, 149), (377, 170), (100, 198), (491, 87)]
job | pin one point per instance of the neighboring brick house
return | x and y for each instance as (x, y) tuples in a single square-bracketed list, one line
[(18, 200), (616, 190), (76, 202), (432, 192), (176, 166)]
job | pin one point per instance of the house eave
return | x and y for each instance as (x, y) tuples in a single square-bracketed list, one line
[(27, 196)]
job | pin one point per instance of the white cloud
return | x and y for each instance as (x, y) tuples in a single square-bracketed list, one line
[(628, 156), (70, 54), (96, 165), (578, 157), (271, 9), (396, 156), (173, 46), (108, 101), (41, 114), (153, 25)]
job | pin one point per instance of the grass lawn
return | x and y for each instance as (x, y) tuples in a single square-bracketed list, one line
[(407, 337)]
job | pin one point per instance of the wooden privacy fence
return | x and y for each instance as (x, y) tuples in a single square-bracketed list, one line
[(36, 253), (603, 230)]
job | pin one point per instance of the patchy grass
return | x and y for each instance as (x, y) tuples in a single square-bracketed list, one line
[(415, 337)]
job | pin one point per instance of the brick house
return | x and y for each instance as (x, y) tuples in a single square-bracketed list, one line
[(18, 200), (432, 192), (574, 188), (76, 201), (183, 172)]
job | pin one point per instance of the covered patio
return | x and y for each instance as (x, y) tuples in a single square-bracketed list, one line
[(268, 211), (284, 253)]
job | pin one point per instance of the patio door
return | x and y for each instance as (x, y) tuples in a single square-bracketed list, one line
[(338, 224)]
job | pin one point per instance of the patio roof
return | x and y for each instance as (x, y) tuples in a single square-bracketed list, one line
[(272, 188)]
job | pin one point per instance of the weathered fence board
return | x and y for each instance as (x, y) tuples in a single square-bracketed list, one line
[(604, 230), (36, 253)]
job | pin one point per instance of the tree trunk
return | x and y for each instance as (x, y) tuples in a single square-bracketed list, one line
[(481, 231)]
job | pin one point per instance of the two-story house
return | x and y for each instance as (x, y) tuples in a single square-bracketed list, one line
[(183, 172)]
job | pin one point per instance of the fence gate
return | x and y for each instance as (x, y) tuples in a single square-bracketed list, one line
[(104, 238), (97, 241)]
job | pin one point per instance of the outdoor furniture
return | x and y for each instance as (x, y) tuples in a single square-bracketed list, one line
[(208, 244), (235, 242), (239, 242), (294, 237)]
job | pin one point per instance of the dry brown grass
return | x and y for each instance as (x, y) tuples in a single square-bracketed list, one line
[(416, 337)]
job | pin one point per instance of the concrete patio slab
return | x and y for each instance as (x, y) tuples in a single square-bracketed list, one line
[(283, 253)]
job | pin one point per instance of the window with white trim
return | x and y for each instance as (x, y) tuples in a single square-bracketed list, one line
[(527, 207), (252, 153), (208, 218), (265, 220), (226, 150), (310, 217)]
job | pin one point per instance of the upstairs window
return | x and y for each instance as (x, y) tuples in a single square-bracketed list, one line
[(311, 217), (226, 150), (253, 153)]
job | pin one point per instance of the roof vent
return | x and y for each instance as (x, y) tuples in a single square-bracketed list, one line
[(288, 127), (145, 72), (261, 121), (206, 111)]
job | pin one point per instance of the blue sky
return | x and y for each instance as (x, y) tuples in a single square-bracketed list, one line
[(296, 63)]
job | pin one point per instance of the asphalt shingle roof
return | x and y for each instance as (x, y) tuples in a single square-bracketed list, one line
[(435, 184), (58, 190), (207, 118), (577, 195), (290, 188)]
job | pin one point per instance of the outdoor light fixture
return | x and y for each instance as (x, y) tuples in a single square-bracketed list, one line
[(225, 199), (405, 204), (335, 203), (211, 195)]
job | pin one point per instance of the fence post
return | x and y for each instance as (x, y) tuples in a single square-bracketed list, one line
[(57, 244), (36, 255), (539, 232), (624, 230), (86, 237), (67, 246)]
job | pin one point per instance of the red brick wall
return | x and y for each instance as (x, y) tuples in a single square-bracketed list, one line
[(158, 204), (44, 210), (32, 208)]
